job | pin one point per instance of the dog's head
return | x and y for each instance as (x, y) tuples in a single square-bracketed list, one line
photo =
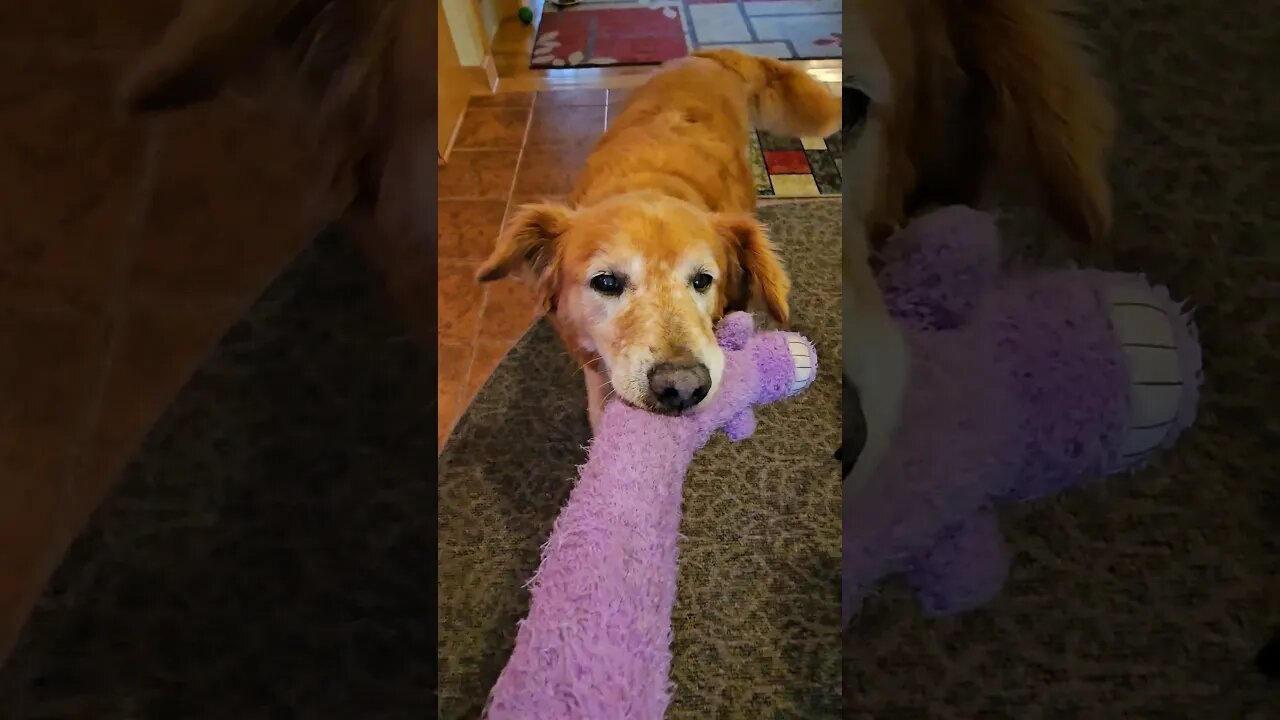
[(640, 281)]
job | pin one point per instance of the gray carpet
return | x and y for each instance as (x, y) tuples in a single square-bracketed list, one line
[(267, 553), (1144, 597), (757, 616)]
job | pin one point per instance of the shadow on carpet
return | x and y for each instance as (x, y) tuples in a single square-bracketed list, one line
[(266, 554)]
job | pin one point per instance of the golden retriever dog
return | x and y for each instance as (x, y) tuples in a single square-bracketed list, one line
[(658, 239), (962, 101)]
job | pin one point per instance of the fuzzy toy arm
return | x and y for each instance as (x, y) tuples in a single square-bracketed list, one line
[(596, 643)]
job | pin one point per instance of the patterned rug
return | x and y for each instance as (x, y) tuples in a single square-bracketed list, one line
[(786, 167), (650, 32)]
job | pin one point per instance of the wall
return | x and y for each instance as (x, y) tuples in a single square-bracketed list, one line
[(454, 84)]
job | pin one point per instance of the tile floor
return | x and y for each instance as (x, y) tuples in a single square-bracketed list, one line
[(510, 148)]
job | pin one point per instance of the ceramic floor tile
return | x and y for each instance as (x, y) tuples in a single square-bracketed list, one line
[(448, 410), (229, 207), (618, 96), (477, 174), (452, 362), (572, 98), (69, 182), (460, 300), (488, 354), (509, 100), (157, 347), (492, 128), (452, 399), (550, 170), (564, 125), (468, 228), (509, 310), (49, 374), (48, 371)]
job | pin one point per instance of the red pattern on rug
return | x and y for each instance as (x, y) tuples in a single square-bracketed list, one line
[(598, 33)]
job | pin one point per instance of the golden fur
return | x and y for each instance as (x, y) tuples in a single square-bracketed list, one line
[(989, 95), (667, 193)]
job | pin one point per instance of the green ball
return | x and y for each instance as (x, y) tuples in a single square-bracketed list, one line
[(525, 15)]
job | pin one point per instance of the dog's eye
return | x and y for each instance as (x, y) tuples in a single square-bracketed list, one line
[(607, 284), (701, 281)]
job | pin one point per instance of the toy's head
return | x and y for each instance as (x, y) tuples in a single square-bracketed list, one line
[(1103, 368), (787, 362), (1019, 385)]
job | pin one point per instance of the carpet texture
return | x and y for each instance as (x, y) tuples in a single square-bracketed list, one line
[(757, 609), (596, 33), (267, 552), (1144, 597)]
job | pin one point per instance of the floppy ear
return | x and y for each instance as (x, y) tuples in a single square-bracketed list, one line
[(208, 43), (749, 245), (528, 245)]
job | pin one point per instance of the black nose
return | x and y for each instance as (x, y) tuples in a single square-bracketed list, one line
[(679, 386)]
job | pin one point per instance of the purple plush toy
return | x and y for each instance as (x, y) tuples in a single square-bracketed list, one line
[(596, 644), (1020, 385)]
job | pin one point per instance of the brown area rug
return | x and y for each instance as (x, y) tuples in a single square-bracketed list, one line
[(757, 611), (1144, 597)]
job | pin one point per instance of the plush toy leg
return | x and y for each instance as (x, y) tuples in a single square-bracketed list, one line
[(964, 570)]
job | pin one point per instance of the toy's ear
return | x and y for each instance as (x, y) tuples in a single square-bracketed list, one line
[(529, 245), (944, 259), (750, 247)]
